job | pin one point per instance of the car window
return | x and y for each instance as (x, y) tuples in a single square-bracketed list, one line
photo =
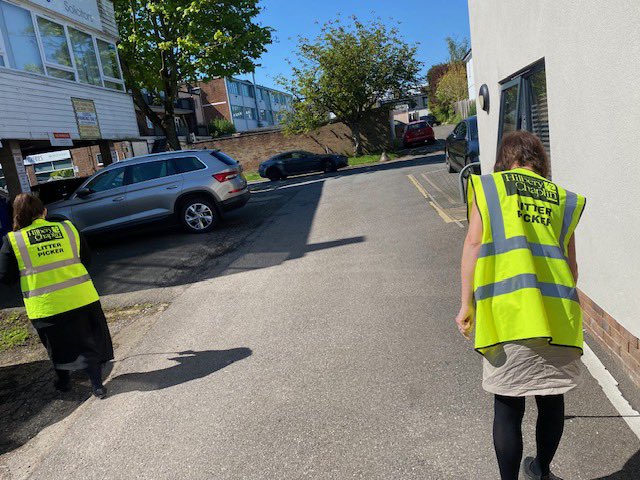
[(144, 172), (224, 158), (473, 129), (187, 164), (107, 180), (417, 126), (299, 154), (461, 130)]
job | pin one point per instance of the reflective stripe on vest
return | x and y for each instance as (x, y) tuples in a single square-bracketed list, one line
[(525, 280), (58, 286)]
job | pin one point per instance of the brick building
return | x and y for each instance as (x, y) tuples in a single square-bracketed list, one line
[(247, 106)]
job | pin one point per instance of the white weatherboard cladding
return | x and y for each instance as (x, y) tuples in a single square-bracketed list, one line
[(592, 72), (34, 106), (81, 11)]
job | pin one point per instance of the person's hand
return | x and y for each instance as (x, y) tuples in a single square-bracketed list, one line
[(464, 320)]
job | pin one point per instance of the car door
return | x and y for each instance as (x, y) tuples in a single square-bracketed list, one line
[(458, 149), (285, 161), (311, 162), (152, 189), (105, 206), (297, 163)]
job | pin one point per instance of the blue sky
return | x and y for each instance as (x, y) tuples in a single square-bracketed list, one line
[(425, 21)]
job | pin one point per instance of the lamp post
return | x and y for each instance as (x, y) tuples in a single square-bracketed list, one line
[(255, 93)]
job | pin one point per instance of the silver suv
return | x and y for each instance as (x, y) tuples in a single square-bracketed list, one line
[(196, 185)]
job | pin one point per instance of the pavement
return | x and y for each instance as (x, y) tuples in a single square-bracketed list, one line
[(321, 345)]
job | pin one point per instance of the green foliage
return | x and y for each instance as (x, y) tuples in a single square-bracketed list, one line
[(220, 127), (457, 49), (167, 43), (453, 85), (435, 73), (473, 109), (59, 174), (346, 71)]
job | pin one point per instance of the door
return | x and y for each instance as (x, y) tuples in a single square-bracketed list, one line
[(295, 163), (152, 189), (105, 205), (458, 148)]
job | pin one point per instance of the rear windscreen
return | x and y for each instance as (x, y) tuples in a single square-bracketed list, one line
[(417, 126), (224, 158)]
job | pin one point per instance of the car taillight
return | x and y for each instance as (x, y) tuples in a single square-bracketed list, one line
[(225, 176)]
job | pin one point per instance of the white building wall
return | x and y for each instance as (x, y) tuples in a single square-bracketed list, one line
[(592, 71), (470, 78), (34, 106)]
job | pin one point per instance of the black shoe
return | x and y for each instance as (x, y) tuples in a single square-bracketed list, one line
[(530, 474), (62, 385), (100, 392)]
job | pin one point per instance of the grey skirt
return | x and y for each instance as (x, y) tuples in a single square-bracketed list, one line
[(531, 367)]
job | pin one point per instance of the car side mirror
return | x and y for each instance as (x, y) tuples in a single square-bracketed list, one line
[(84, 192)]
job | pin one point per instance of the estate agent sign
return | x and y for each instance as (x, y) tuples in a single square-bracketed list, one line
[(87, 118)]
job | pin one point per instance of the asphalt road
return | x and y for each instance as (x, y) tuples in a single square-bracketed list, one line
[(322, 346)]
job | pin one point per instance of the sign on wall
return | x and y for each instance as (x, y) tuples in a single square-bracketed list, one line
[(23, 178), (82, 11), (87, 118)]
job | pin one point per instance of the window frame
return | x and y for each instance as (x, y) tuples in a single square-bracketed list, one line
[(45, 62), (521, 79), (46, 65), (241, 110)]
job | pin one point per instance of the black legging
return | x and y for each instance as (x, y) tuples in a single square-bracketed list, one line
[(507, 432)]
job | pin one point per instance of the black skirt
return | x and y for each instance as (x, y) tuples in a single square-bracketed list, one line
[(76, 339)]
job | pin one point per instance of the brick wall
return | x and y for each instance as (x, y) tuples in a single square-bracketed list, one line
[(214, 91), (612, 336), (252, 148)]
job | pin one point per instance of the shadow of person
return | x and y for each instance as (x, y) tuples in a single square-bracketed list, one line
[(190, 365), (630, 471)]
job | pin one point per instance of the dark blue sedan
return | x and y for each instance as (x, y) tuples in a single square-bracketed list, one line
[(461, 146)]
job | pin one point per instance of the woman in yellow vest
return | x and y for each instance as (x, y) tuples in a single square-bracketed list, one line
[(519, 276), (49, 259)]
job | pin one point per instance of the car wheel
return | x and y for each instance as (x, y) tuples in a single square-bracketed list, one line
[(199, 215), (447, 161), (274, 174), (431, 141), (328, 166)]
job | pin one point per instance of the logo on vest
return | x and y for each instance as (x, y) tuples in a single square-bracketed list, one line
[(44, 234), (526, 186)]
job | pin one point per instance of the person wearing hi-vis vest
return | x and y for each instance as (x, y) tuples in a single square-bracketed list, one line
[(519, 276), (49, 259)]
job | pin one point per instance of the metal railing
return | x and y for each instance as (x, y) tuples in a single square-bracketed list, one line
[(463, 175)]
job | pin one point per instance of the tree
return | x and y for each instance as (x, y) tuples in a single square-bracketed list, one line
[(457, 49), (453, 85), (346, 71), (167, 43), (435, 73)]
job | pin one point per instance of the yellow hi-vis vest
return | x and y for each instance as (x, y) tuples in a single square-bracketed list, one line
[(523, 286), (52, 277)]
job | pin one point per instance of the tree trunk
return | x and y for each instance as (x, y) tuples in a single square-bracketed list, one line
[(357, 140), (169, 127)]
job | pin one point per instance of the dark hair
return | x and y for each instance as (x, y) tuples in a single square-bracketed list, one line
[(522, 149), (26, 208)]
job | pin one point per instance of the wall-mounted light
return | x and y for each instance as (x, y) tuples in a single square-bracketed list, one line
[(483, 98)]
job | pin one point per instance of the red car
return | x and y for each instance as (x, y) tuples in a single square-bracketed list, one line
[(418, 132)]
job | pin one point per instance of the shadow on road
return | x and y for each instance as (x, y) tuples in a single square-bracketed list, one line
[(29, 403), (191, 366), (630, 471), (162, 255)]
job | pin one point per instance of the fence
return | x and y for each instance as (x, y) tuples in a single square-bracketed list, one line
[(463, 108)]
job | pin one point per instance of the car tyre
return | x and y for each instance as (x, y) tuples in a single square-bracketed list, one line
[(274, 174), (447, 161), (199, 215), (328, 166)]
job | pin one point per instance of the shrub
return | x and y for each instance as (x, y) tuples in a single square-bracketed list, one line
[(221, 126)]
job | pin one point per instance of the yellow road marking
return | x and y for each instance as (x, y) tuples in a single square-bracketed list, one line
[(439, 189), (432, 201)]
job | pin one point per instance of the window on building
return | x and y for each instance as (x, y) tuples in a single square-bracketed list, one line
[(270, 117), (237, 111), (249, 113), (233, 87), (259, 92), (523, 104), (263, 115), (20, 38), (84, 55), (107, 181), (54, 170), (56, 49), (247, 90), (110, 66)]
